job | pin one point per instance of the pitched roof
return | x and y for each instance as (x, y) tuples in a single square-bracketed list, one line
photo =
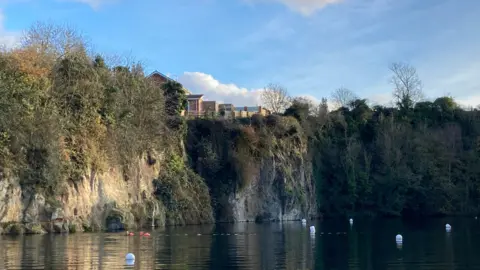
[(195, 96), (160, 74), (166, 78)]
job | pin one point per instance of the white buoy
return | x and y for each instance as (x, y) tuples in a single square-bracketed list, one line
[(351, 221), (130, 257), (448, 227), (304, 221), (399, 238), (312, 229)]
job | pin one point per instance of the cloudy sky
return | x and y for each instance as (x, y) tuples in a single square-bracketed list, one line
[(229, 49)]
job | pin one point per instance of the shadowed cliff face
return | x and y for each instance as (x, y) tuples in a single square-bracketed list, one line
[(256, 171), (282, 190)]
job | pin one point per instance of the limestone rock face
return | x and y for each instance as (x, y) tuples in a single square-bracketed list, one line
[(84, 205), (257, 169), (275, 195), (107, 201)]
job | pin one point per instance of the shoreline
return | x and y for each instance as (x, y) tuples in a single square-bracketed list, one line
[(15, 229)]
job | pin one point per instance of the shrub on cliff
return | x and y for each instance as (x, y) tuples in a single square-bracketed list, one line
[(414, 158), (183, 193), (229, 154), (63, 113)]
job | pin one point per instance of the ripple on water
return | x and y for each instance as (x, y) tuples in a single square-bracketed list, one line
[(252, 246)]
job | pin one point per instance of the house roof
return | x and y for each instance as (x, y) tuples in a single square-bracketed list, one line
[(166, 78), (195, 96), (160, 74)]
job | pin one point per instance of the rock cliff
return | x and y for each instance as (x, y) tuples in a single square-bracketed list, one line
[(258, 170), (102, 201), (228, 171)]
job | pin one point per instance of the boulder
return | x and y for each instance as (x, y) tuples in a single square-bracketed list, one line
[(14, 229), (60, 227), (34, 228), (57, 214)]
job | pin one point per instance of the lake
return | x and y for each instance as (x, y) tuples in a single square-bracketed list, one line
[(367, 244)]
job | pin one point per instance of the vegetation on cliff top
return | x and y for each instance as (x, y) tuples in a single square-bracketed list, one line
[(64, 113), (416, 157), (231, 154)]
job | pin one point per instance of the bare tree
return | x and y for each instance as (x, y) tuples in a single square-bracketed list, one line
[(342, 97), (408, 86), (54, 40), (275, 98)]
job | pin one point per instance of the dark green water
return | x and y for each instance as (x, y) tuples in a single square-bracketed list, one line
[(336, 245)]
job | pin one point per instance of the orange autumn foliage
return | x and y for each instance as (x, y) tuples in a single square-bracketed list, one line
[(31, 62)]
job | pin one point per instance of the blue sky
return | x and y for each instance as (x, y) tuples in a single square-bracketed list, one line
[(230, 49)]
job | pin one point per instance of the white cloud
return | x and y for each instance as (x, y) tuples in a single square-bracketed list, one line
[(383, 99), (470, 102), (304, 7), (213, 89), (201, 83), (8, 39)]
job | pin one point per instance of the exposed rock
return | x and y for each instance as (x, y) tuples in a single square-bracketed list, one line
[(57, 213), (264, 173), (34, 208), (10, 200), (278, 186), (60, 227), (85, 203), (14, 229), (34, 228), (275, 195), (150, 213)]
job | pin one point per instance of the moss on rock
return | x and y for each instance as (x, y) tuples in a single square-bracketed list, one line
[(183, 193), (34, 228), (14, 229)]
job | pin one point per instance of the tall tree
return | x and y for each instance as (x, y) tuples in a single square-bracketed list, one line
[(343, 97), (407, 85), (275, 98)]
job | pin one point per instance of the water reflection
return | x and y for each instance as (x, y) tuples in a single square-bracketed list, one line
[(336, 245)]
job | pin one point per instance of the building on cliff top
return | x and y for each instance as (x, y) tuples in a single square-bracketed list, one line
[(197, 106), (161, 78)]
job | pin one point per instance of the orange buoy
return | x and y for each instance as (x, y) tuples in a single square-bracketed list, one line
[(141, 233), (146, 234), (131, 234)]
